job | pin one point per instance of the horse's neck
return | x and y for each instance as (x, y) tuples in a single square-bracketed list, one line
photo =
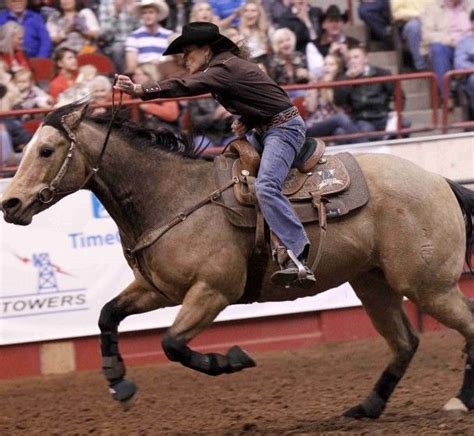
[(142, 189)]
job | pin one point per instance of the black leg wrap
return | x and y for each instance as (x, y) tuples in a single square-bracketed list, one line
[(466, 395), (212, 363), (374, 404)]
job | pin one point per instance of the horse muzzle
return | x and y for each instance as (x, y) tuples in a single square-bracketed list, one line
[(14, 212)]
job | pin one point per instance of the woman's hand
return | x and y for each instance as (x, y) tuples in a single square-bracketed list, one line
[(239, 128), (125, 84)]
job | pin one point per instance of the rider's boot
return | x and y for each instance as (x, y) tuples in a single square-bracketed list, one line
[(293, 269)]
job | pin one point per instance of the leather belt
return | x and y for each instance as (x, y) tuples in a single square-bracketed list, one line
[(278, 119)]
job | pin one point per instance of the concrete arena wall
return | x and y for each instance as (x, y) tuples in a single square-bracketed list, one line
[(451, 156)]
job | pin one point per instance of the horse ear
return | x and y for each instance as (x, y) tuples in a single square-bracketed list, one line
[(73, 118)]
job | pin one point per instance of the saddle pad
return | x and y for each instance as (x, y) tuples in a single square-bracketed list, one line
[(354, 197)]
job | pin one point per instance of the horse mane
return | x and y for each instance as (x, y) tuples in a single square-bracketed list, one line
[(132, 133)]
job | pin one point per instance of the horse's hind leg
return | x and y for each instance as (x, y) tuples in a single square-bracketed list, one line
[(452, 308), (200, 307), (384, 306), (132, 300)]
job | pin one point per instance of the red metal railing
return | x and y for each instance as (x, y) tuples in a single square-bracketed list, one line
[(448, 77), (398, 104)]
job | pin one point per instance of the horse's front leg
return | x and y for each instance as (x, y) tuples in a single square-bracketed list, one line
[(134, 299), (200, 307)]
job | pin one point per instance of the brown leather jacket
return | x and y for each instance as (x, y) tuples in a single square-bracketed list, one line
[(237, 84)]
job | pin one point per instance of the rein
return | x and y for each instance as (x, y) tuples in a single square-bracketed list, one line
[(48, 193), (153, 236)]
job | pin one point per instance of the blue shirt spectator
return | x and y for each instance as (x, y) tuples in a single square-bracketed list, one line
[(36, 40), (226, 8)]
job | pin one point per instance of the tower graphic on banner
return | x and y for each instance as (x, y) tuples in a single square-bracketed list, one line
[(46, 276)]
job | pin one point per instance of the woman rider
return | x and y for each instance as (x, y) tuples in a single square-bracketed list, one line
[(247, 92)]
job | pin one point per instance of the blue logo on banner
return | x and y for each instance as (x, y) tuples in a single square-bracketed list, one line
[(98, 211)]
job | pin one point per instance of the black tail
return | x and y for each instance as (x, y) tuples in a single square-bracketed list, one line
[(465, 199)]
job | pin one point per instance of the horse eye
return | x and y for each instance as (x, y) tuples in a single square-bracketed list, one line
[(46, 152)]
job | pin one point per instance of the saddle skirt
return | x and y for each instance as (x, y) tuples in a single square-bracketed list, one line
[(335, 179)]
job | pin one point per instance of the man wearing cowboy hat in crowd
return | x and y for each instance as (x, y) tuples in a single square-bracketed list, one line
[(262, 106), (333, 39), (147, 43)]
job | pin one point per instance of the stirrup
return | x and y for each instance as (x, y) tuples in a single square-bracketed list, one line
[(296, 274)]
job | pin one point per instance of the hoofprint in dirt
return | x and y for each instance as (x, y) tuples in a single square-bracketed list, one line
[(289, 393)]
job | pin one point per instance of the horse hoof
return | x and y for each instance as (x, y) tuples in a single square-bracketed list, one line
[(359, 412), (123, 390), (239, 359), (127, 404), (356, 412), (455, 405)]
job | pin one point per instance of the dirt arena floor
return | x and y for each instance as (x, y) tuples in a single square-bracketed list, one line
[(299, 392)]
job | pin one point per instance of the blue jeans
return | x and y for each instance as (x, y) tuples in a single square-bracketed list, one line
[(411, 33), (376, 15), (442, 58), (281, 144), (334, 125)]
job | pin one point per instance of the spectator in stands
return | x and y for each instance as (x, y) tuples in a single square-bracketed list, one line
[(211, 123), (101, 93), (73, 27), (42, 7), (276, 9), (13, 137), (36, 40), (180, 11), (157, 114), (287, 66), (67, 70), (324, 117), (376, 16), (406, 15), (10, 94), (463, 59), (369, 105), (32, 96), (11, 46), (147, 43), (228, 12), (444, 24), (80, 88), (333, 39), (117, 21), (202, 11), (304, 20), (255, 29)]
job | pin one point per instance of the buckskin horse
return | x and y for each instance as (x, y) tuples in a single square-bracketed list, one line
[(410, 240)]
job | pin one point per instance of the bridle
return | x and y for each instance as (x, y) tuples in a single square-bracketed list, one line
[(48, 193)]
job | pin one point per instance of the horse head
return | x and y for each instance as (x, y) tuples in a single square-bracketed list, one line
[(51, 168)]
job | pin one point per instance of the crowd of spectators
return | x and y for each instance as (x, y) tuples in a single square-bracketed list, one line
[(294, 41)]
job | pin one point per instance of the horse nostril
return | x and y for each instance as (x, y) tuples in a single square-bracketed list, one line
[(11, 205)]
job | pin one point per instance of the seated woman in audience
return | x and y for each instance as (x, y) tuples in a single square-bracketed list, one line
[(67, 70), (11, 46), (32, 96), (73, 27), (202, 11), (255, 29), (156, 114), (101, 93), (325, 119), (287, 66)]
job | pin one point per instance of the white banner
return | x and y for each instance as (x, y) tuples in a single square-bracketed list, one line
[(58, 272)]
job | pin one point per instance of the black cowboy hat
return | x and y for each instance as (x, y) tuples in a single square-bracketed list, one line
[(200, 33), (334, 13)]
